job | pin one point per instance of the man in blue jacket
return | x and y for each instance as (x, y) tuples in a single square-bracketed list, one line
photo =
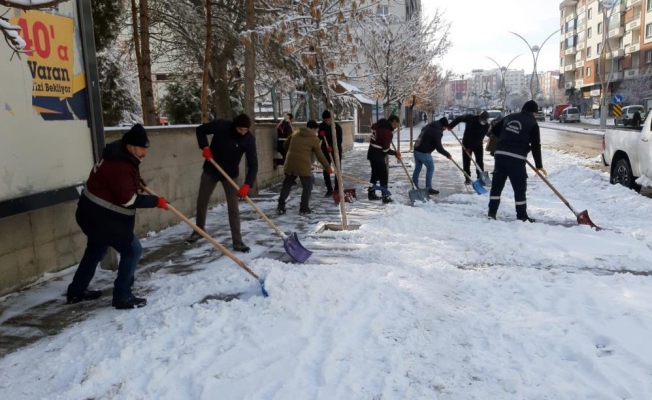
[(428, 141), (231, 140)]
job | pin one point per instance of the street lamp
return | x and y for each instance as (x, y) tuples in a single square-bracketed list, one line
[(535, 57), (608, 5), (503, 72)]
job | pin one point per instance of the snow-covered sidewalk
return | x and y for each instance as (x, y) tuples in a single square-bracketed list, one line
[(425, 302)]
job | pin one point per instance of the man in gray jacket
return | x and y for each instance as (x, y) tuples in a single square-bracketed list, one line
[(429, 140)]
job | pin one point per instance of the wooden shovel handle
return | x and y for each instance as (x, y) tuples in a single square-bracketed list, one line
[(206, 236), (404, 167), (461, 169), (468, 153), (347, 177), (258, 210), (551, 187)]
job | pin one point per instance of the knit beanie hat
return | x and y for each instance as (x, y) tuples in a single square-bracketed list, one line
[(312, 124), (443, 121), (484, 115), (530, 106), (136, 136), (325, 114), (242, 121)]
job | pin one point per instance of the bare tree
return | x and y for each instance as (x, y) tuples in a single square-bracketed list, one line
[(637, 89), (141, 35)]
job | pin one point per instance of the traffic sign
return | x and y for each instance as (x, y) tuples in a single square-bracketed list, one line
[(618, 99), (617, 110)]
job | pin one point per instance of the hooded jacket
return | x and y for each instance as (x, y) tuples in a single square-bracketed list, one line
[(430, 139), (381, 141), (300, 147), (106, 211), (474, 131), (227, 147), (517, 135)]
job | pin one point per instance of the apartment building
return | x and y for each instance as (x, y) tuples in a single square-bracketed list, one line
[(625, 30)]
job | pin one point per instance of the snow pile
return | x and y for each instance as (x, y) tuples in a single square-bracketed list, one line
[(426, 302), (646, 178)]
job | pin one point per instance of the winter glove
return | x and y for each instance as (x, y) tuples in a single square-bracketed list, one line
[(397, 155), (244, 189), (207, 153), (162, 203), (330, 170), (329, 149), (449, 156), (543, 172), (322, 134)]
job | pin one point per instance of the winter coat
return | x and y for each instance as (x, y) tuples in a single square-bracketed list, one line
[(474, 132), (227, 147), (106, 211), (325, 133), (284, 129), (518, 134), (300, 147), (430, 139), (381, 141)]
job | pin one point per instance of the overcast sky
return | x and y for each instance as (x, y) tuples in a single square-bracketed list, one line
[(481, 28)]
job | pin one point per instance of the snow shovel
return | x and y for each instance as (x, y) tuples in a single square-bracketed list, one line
[(291, 243), (582, 217), (349, 194), (484, 175), (477, 185), (383, 190), (214, 242), (414, 194)]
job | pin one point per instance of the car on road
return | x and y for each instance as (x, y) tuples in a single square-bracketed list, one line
[(629, 153), (627, 117), (540, 116), (570, 114)]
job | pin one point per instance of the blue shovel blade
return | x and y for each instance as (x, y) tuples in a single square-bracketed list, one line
[(383, 190), (477, 186), (295, 249)]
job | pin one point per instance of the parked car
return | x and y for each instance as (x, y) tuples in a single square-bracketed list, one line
[(556, 111), (629, 153), (493, 114), (570, 114), (541, 116), (627, 117)]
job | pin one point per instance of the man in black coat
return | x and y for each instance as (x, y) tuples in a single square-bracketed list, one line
[(428, 141), (326, 137), (231, 140), (517, 134), (106, 213), (474, 132)]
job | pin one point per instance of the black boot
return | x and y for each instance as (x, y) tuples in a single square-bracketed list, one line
[(467, 181), (241, 247), (193, 237), (305, 211), (387, 199), (491, 215), (130, 303), (526, 219), (280, 210), (73, 298), (433, 191), (329, 193), (371, 194)]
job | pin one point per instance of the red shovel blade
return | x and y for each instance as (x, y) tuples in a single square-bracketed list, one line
[(583, 219), (349, 196)]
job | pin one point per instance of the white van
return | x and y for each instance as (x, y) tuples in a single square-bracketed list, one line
[(627, 117), (570, 114)]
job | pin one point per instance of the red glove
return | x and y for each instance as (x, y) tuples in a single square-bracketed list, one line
[(450, 157), (329, 149), (162, 203), (398, 155), (207, 153), (244, 189), (330, 170), (322, 134)]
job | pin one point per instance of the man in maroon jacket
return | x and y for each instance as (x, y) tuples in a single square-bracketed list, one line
[(106, 213), (379, 147)]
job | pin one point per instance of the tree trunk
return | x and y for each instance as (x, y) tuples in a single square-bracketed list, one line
[(146, 87), (221, 96), (207, 64), (250, 72), (414, 99)]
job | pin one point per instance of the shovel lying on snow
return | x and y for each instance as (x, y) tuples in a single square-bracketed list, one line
[(484, 175), (383, 190), (414, 194), (477, 185), (291, 243), (214, 242), (582, 217)]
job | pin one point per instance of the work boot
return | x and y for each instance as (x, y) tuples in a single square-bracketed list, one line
[(467, 181), (305, 211), (329, 193), (526, 219), (387, 199), (433, 191), (193, 238), (491, 216), (280, 210), (85, 295), (130, 303), (241, 247), (371, 194)]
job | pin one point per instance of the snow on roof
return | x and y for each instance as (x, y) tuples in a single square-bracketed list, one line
[(349, 88), (363, 99)]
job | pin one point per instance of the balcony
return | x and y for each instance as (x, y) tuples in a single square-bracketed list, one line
[(579, 64), (569, 85), (616, 32), (570, 51), (580, 10), (620, 7), (570, 33), (632, 49), (633, 24), (631, 3), (570, 17), (631, 73), (569, 68), (616, 53), (581, 26), (616, 76), (580, 46)]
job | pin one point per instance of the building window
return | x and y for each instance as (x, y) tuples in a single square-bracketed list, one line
[(589, 15), (588, 71), (648, 30), (648, 57), (589, 33), (599, 48), (620, 43), (383, 10), (561, 62), (588, 52), (620, 64), (599, 28), (649, 5)]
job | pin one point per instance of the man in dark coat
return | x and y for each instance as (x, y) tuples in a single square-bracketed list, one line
[(379, 147), (326, 137), (231, 140), (428, 141), (283, 132), (517, 133), (106, 213), (474, 132)]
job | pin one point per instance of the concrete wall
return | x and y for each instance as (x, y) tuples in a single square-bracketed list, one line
[(49, 240)]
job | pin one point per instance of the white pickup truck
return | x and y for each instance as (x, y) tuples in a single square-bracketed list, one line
[(629, 153)]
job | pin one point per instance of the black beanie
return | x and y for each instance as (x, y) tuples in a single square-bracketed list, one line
[(136, 136), (443, 121), (325, 114), (530, 106), (484, 115), (312, 124), (242, 121)]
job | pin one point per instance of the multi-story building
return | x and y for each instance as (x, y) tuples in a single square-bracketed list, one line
[(625, 30)]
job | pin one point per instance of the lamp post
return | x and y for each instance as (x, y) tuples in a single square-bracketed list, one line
[(535, 50), (604, 110), (503, 72)]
